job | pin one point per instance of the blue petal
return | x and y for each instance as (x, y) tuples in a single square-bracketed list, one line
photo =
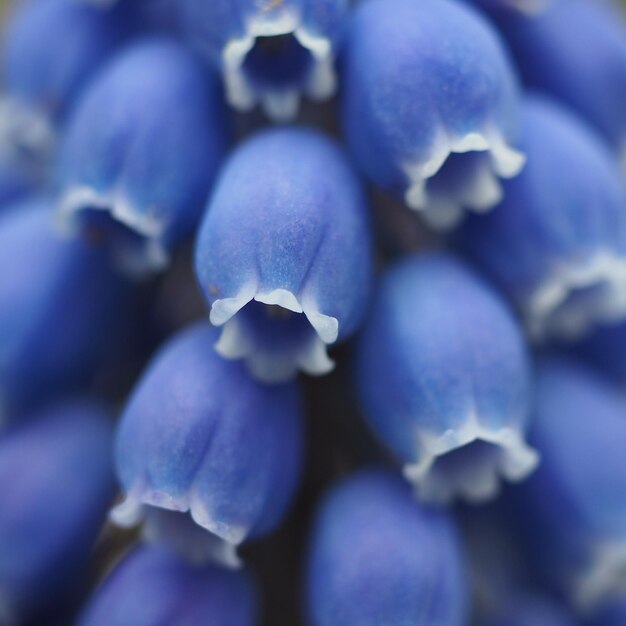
[(61, 308), (377, 557), (576, 51), (612, 613), (557, 243), (574, 510), (41, 82), (200, 436), (430, 105), (56, 480), (284, 253), (269, 53), (152, 587), (444, 379), (141, 151)]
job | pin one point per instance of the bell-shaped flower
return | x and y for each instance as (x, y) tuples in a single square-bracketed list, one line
[(430, 105), (269, 53), (574, 510), (41, 81), (556, 245), (62, 309), (376, 556), (57, 483), (140, 152), (152, 586), (284, 253), (444, 380), (200, 436)]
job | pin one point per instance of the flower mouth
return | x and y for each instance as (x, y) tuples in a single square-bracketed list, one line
[(468, 463), (461, 174), (274, 63), (577, 297), (135, 239), (275, 334)]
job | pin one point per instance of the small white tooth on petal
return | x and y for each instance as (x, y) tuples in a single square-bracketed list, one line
[(280, 106), (280, 297), (128, 513), (232, 344), (314, 359), (484, 192), (507, 162), (326, 326), (224, 308), (272, 369)]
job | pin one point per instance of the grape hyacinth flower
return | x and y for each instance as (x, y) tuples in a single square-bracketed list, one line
[(556, 244), (444, 380), (574, 510), (57, 482), (576, 51), (42, 82), (198, 435), (430, 105), (141, 151), (284, 253), (270, 52), (376, 556), (152, 586), (62, 309)]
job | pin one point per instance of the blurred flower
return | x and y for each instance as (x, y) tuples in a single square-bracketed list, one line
[(198, 435), (430, 105), (444, 380), (141, 151), (284, 253), (377, 557)]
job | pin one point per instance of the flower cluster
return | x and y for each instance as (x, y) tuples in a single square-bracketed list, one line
[(313, 312)]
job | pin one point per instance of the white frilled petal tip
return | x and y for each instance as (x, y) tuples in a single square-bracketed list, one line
[(146, 255), (468, 463), (220, 545), (482, 194), (309, 356), (604, 578), (577, 296), (279, 104), (24, 128)]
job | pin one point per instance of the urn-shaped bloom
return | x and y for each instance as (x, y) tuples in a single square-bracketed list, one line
[(430, 105), (376, 556), (152, 586), (42, 82), (57, 482), (62, 309), (556, 244), (269, 53), (141, 151), (284, 253), (200, 436), (443, 379), (574, 511)]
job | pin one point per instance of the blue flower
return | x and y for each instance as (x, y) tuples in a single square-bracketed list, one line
[(430, 105), (378, 557), (62, 310), (444, 380), (141, 151), (576, 51), (41, 82), (152, 587), (56, 479), (556, 244), (199, 435), (284, 253), (270, 52), (573, 510)]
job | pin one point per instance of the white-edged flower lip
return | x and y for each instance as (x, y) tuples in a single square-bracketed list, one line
[(486, 455), (279, 104), (484, 192), (578, 295), (308, 354), (146, 253), (604, 578)]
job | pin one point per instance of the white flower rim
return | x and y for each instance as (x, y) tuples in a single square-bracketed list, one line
[(515, 461), (484, 194), (279, 105)]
